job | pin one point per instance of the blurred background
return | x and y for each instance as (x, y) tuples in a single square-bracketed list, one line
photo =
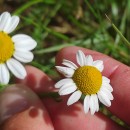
[(55, 24)]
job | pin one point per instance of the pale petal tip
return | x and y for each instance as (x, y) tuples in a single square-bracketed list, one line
[(23, 76), (101, 61), (60, 93), (80, 56), (17, 18), (106, 79), (58, 67), (86, 112), (68, 103), (89, 60), (6, 12), (63, 60), (35, 43), (108, 105), (90, 56), (92, 113), (4, 82), (56, 85), (79, 51)]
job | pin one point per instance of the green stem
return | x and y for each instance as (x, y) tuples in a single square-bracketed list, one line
[(53, 95), (51, 49), (92, 9), (122, 27), (120, 34), (26, 6), (2, 86), (38, 65)]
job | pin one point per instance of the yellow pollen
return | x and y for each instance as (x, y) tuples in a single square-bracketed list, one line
[(88, 79), (6, 47)]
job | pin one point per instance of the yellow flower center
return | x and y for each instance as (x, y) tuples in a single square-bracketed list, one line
[(88, 79), (6, 47)]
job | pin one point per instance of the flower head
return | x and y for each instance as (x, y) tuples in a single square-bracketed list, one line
[(13, 49), (86, 79)]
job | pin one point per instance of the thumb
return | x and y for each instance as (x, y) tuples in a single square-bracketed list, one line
[(20, 107)]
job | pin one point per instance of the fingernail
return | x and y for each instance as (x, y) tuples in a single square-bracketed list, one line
[(14, 99)]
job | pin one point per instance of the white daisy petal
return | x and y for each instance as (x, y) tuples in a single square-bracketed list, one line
[(16, 68), (4, 74), (67, 72), (62, 82), (99, 65), (4, 20), (93, 106), (65, 90), (66, 86), (105, 79), (86, 103), (69, 64), (88, 60), (96, 102), (109, 87), (6, 26), (23, 42), (74, 97), (107, 92), (104, 99), (80, 58), (14, 20), (105, 83), (23, 56)]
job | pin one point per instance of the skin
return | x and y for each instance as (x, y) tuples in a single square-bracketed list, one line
[(31, 113)]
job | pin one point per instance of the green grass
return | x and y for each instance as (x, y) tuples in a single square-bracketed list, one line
[(55, 24)]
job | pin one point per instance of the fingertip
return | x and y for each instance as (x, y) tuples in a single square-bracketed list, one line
[(33, 118), (21, 109)]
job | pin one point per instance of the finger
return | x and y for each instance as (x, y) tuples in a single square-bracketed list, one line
[(37, 80), (118, 73), (64, 117), (21, 109), (73, 117)]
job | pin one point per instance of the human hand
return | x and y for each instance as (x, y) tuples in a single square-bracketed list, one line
[(28, 112)]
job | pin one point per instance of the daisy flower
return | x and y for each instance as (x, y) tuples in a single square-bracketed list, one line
[(85, 79), (13, 50)]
